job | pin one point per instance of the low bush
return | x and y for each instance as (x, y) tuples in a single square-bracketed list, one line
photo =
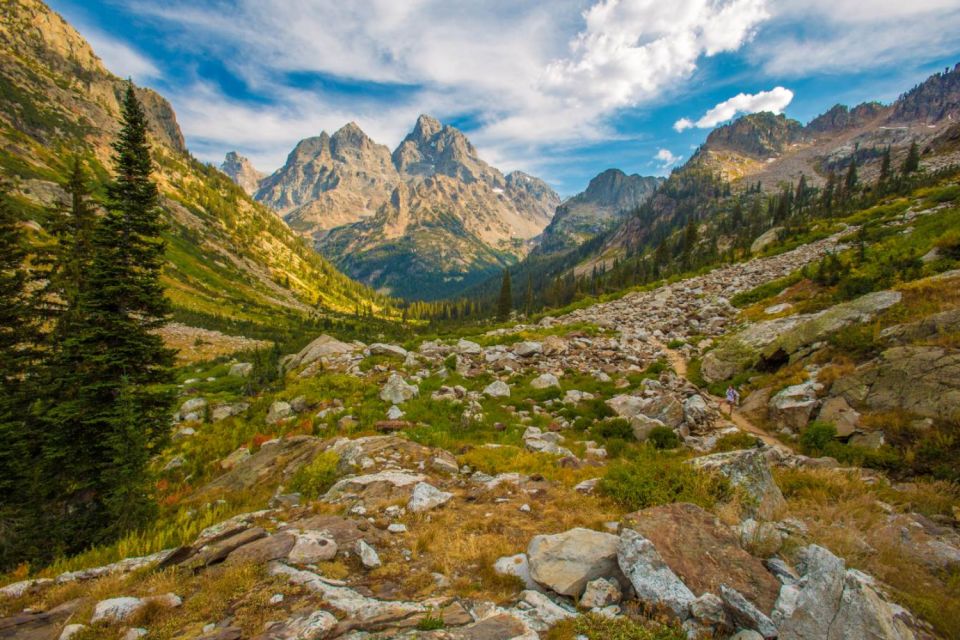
[(735, 442), (618, 428), (664, 438), (596, 627), (648, 477), (817, 438), (313, 479)]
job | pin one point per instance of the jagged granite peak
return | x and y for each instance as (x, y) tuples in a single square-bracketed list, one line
[(761, 135), (433, 148), (328, 181), (840, 117), (933, 100), (532, 194), (239, 169), (608, 196)]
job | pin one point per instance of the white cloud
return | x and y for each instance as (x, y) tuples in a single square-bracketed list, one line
[(528, 72), (120, 58), (775, 101), (666, 158), (811, 36)]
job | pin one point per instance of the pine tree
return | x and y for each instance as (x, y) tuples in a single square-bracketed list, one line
[(851, 179), (885, 169), (111, 413), (505, 302), (911, 163), (19, 333), (528, 296)]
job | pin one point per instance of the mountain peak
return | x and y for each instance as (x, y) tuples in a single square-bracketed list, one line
[(350, 133), (761, 134), (239, 169), (426, 127)]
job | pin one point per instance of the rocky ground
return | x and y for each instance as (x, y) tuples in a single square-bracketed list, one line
[(471, 489)]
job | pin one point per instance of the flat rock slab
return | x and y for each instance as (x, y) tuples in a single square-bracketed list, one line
[(704, 553), (566, 562)]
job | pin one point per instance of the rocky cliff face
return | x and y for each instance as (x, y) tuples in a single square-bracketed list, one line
[(840, 117), (418, 222), (588, 214), (53, 85), (241, 170), (934, 100)]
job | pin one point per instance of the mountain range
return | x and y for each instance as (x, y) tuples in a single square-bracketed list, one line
[(421, 221)]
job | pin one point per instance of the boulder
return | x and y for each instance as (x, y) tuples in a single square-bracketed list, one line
[(517, 566), (116, 609), (834, 603), (554, 346), (527, 349), (224, 411), (748, 469), (279, 411), (311, 547), (323, 347), (193, 409), (426, 497), (382, 349), (566, 562), (837, 411), (600, 593), (397, 391), (368, 555), (380, 487), (241, 369), (704, 553), (468, 348), (497, 389), (933, 372), (654, 582), (745, 614), (792, 407), (766, 239), (545, 380)]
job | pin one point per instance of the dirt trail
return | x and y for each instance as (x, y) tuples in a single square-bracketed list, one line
[(679, 364)]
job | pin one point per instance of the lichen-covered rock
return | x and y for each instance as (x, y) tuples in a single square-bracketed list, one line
[(748, 469), (426, 497), (397, 391), (497, 389), (566, 562), (654, 582)]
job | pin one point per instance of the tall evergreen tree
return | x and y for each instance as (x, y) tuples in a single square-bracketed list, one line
[(885, 169), (911, 163), (112, 409), (19, 333), (851, 179), (505, 302)]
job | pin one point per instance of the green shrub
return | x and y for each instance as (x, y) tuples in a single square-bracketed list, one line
[(675, 344), (658, 367), (450, 362), (313, 479), (664, 438), (735, 442), (817, 437), (949, 244), (618, 428), (596, 627), (651, 478)]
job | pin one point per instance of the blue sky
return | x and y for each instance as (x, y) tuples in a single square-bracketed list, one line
[(561, 89)]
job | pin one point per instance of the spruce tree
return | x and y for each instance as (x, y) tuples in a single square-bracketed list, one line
[(19, 334), (851, 179), (112, 409), (505, 303), (885, 169), (911, 163)]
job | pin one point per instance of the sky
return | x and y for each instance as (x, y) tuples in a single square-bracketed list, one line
[(561, 89)]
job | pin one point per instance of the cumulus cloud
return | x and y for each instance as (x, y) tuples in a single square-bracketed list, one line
[(666, 159), (775, 101)]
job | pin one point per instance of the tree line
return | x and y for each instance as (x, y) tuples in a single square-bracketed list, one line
[(86, 381)]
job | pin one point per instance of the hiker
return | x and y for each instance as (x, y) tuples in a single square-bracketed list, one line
[(733, 398)]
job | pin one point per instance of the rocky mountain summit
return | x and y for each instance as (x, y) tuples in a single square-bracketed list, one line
[(241, 170), (608, 196), (419, 221), (772, 148)]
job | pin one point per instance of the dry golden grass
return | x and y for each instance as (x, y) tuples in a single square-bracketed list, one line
[(843, 514), (462, 543)]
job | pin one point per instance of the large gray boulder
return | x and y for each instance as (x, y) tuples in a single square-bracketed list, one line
[(566, 562), (934, 382), (654, 582), (792, 407), (323, 347), (831, 602), (748, 469), (397, 391)]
